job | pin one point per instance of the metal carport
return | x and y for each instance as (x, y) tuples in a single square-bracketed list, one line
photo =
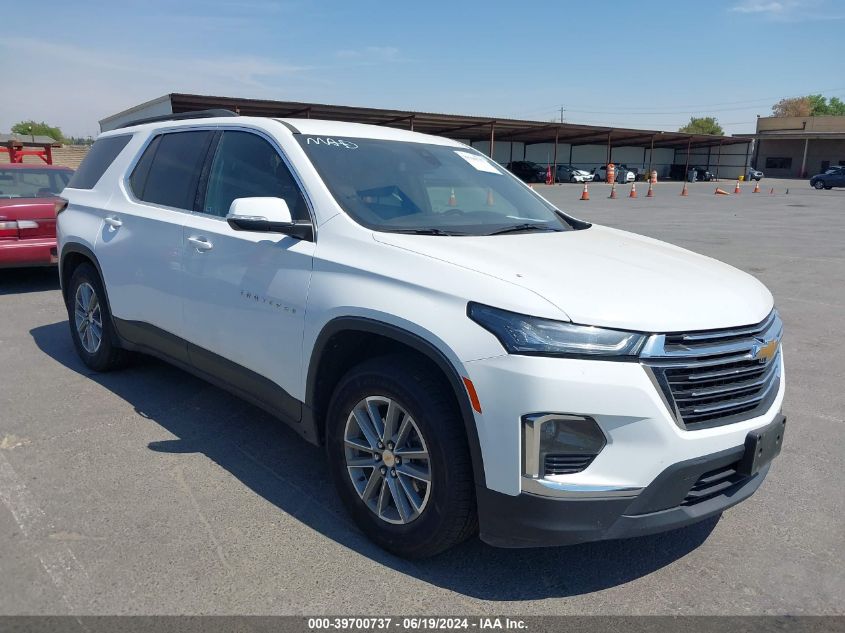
[(472, 129)]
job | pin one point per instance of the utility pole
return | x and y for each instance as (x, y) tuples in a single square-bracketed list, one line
[(562, 111)]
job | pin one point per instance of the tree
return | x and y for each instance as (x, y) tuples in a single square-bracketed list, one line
[(810, 105), (820, 106), (792, 106), (26, 128), (702, 125)]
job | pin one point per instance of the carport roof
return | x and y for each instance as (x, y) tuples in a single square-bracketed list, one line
[(473, 128), (28, 140)]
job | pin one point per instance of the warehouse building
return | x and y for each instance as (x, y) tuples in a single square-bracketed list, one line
[(798, 147), (504, 139)]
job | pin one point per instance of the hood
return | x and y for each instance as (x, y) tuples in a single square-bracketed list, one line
[(606, 277)]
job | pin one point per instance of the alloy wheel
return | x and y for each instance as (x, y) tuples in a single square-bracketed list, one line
[(88, 318), (387, 459)]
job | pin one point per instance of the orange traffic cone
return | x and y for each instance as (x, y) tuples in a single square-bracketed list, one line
[(650, 193), (721, 192), (490, 201), (585, 195), (737, 189), (633, 193), (756, 187), (772, 191), (452, 200), (684, 191), (612, 195)]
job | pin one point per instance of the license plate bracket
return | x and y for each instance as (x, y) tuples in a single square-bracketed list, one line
[(762, 446)]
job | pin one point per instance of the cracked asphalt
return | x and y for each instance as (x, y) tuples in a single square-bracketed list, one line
[(148, 491)]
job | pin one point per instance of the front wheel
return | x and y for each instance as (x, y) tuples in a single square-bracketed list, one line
[(399, 458), (819, 184)]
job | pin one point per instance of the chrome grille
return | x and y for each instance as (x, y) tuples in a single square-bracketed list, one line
[(717, 377)]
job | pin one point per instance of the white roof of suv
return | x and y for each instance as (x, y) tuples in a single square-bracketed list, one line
[(315, 127)]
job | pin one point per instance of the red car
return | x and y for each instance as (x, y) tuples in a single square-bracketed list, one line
[(29, 197)]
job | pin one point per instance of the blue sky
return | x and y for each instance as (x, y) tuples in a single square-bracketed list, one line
[(635, 64)]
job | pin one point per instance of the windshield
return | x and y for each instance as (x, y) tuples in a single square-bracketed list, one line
[(400, 186), (33, 183)]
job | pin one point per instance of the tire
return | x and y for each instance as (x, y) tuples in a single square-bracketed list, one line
[(446, 504), (572, 179), (819, 184), (91, 326)]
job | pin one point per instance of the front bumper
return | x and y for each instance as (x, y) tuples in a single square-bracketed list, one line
[(676, 498), (29, 252)]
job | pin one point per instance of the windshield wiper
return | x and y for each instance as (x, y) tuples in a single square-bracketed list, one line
[(426, 231), (524, 227)]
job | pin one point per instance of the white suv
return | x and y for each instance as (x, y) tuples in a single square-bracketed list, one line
[(472, 358)]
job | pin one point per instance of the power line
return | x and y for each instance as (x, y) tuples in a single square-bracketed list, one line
[(750, 103)]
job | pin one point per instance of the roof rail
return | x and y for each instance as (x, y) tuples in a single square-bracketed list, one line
[(196, 114)]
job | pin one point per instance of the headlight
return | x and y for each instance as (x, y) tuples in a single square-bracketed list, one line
[(521, 334)]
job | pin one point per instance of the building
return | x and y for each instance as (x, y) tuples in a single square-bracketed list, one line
[(504, 139), (798, 147)]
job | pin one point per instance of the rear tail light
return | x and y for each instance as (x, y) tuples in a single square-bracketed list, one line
[(61, 205), (8, 229)]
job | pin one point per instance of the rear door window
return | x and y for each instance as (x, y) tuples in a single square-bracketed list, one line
[(169, 170), (97, 161)]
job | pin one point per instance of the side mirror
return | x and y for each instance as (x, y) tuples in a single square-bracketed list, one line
[(267, 215)]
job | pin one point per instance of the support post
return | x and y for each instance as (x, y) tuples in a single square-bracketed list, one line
[(651, 157), (554, 169), (607, 162), (745, 164), (686, 169), (719, 160), (803, 173), (492, 137)]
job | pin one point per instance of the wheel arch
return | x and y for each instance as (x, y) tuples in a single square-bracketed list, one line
[(74, 254), (346, 341)]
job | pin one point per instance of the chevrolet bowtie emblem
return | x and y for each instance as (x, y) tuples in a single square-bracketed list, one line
[(764, 352)]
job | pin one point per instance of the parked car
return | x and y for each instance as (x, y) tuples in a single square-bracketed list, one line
[(28, 201), (833, 177), (754, 174), (622, 175), (528, 171), (568, 173), (624, 169), (398, 299), (702, 174)]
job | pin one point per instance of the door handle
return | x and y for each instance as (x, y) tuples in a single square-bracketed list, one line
[(113, 221), (200, 243)]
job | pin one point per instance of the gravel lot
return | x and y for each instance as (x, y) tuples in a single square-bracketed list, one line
[(151, 492)]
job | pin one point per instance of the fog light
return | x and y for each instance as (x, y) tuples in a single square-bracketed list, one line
[(559, 444)]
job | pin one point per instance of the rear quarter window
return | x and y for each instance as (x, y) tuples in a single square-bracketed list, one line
[(95, 164)]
